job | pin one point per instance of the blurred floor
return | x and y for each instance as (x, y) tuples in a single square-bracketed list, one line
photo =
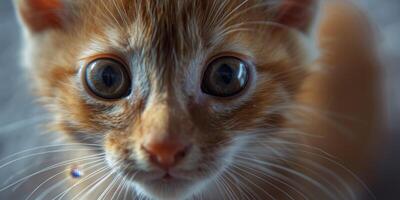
[(16, 104)]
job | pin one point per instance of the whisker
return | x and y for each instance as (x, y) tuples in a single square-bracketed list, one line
[(120, 13), (120, 188), (126, 193), (36, 163), (261, 139), (271, 174), (48, 146), (216, 11), (315, 175), (96, 162), (240, 169), (95, 183), (224, 19), (45, 193), (127, 190), (229, 183), (98, 171), (41, 153), (222, 187), (124, 183), (240, 13), (249, 190), (251, 182), (111, 14), (109, 187), (50, 168), (304, 110), (317, 152), (6, 128), (339, 179), (293, 172), (263, 180)]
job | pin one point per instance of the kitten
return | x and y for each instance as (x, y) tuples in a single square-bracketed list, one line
[(222, 99)]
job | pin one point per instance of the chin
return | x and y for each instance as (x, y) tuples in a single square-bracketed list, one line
[(156, 185), (173, 189), (159, 185)]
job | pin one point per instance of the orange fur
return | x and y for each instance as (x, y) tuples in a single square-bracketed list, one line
[(41, 14), (166, 45)]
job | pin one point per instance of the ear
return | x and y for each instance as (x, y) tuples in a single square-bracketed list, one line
[(299, 14), (40, 15)]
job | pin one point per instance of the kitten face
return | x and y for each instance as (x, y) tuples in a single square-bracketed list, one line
[(194, 84)]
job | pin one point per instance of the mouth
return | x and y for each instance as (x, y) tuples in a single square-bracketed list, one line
[(173, 183), (161, 176), (174, 176), (167, 177), (133, 173), (158, 176), (160, 184), (167, 180)]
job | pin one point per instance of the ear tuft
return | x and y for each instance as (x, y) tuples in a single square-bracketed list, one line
[(40, 15), (299, 14)]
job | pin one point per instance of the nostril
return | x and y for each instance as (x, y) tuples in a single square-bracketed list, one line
[(182, 153)]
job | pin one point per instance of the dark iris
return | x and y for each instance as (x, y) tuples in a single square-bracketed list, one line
[(224, 77), (107, 78)]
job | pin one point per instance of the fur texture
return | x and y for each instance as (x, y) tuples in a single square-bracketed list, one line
[(259, 144)]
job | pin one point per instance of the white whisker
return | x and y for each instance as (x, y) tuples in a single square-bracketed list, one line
[(83, 193), (52, 167), (41, 153), (48, 146), (293, 172), (96, 162), (98, 171), (21, 124)]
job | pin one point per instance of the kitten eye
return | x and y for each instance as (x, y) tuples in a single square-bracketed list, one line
[(225, 77), (107, 78)]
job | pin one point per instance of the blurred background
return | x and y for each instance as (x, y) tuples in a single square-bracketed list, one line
[(19, 114)]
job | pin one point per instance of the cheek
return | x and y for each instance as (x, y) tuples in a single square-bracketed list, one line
[(253, 110), (126, 145), (118, 147), (92, 117), (223, 156)]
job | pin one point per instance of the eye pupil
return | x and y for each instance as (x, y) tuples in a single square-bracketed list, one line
[(109, 76), (225, 72)]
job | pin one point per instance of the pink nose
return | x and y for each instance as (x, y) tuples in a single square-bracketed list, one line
[(166, 154)]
